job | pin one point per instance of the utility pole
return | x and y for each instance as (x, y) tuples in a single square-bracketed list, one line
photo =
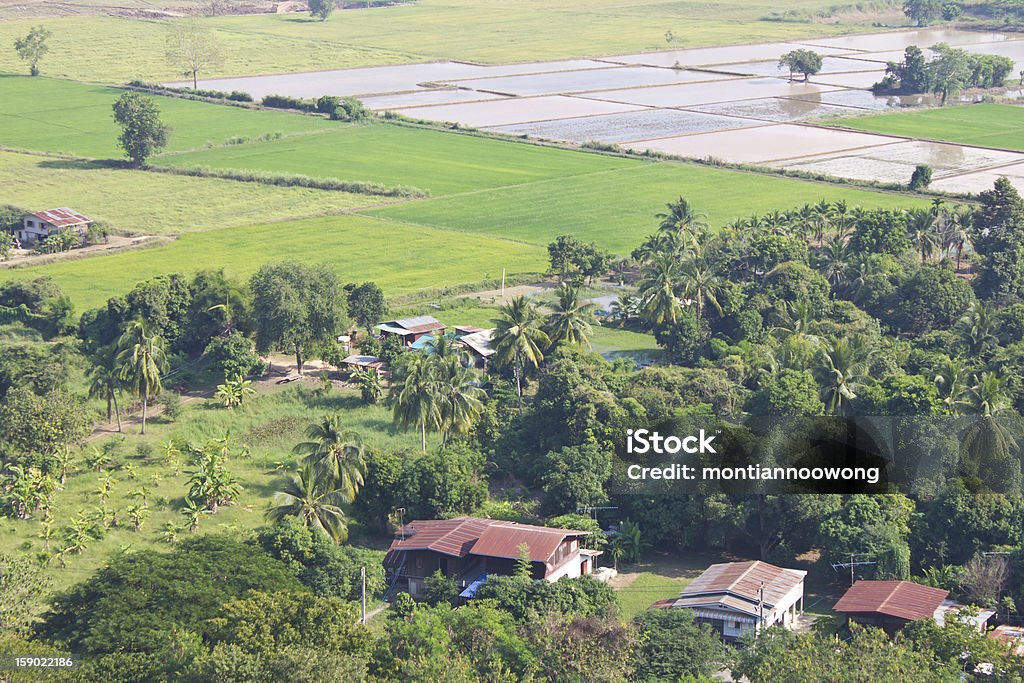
[(760, 609), (502, 283), (362, 578)]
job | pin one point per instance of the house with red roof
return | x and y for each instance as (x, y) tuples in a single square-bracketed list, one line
[(737, 598), (38, 226), (468, 549), (891, 605)]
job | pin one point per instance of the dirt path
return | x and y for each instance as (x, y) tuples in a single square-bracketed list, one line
[(492, 296), (115, 243)]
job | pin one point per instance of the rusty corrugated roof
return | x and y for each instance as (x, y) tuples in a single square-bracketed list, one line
[(900, 599), (62, 217), (744, 581)]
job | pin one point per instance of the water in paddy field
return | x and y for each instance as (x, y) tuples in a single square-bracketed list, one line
[(637, 125), (779, 109), (516, 110)]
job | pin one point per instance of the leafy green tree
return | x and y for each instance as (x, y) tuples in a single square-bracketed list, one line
[(371, 388), (575, 476), (806, 62), (569, 320), (39, 424), (932, 297), (922, 11), (518, 339), (32, 47), (336, 451), (233, 392), (880, 232), (788, 392), (312, 497), (105, 381), (296, 307), (366, 303), (321, 9), (233, 355), (998, 235), (673, 646), (143, 134), (142, 360)]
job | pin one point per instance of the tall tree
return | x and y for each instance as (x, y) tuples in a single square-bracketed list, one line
[(105, 380), (366, 303), (569, 320), (415, 395), (312, 497), (460, 399), (142, 132), (659, 301), (806, 62), (32, 48), (296, 307), (192, 47), (321, 9), (842, 370), (337, 451), (142, 360), (518, 339)]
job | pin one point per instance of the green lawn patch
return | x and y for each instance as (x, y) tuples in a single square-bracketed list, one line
[(985, 125), (51, 115), (400, 258)]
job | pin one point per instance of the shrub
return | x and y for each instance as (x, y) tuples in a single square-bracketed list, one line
[(921, 178)]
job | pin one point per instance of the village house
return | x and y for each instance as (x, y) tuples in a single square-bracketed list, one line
[(891, 605), (478, 344), (737, 598), (411, 329), (41, 224), (468, 549)]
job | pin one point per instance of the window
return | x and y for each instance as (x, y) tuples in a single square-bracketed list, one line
[(573, 547), (30, 224)]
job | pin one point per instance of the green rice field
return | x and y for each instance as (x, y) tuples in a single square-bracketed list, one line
[(985, 125)]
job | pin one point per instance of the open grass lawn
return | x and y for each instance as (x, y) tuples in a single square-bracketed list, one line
[(986, 125), (157, 203), (50, 115), (616, 209), (270, 424), (400, 258), (113, 49), (434, 160)]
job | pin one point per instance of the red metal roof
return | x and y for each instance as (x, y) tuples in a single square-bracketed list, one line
[(470, 535), (418, 324), (62, 217), (900, 599)]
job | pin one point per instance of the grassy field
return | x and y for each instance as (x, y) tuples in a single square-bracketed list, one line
[(152, 203), (398, 155), (116, 49), (51, 115), (400, 258), (616, 208), (270, 424), (985, 125)]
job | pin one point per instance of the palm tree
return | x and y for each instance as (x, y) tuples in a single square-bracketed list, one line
[(951, 381), (660, 304), (980, 327), (518, 339), (460, 400), (141, 359), (415, 395), (569, 320), (962, 227), (336, 451), (105, 380), (701, 284), (625, 308), (842, 218), (311, 497), (842, 370), (681, 218), (987, 439), (833, 260), (921, 226)]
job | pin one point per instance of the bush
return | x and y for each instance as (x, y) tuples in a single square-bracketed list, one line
[(286, 102), (921, 178), (233, 355)]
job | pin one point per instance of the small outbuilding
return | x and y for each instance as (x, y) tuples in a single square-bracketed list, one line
[(411, 329), (890, 605), (37, 226), (358, 362), (479, 346)]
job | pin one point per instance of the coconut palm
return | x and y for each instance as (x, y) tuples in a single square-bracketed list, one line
[(842, 218), (842, 371), (979, 327), (105, 381), (518, 339), (415, 395), (660, 303), (336, 451), (951, 381), (141, 360), (460, 400), (701, 284), (921, 226), (625, 308), (681, 218), (570, 318), (987, 438), (961, 228), (833, 261), (312, 498)]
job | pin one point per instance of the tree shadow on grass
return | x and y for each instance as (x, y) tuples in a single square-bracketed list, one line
[(83, 164)]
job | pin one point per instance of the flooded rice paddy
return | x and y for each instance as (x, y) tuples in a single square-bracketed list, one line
[(731, 103)]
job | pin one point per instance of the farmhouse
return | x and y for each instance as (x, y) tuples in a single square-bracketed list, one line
[(468, 549), (891, 605), (411, 329), (1011, 636), (735, 598), (479, 346), (41, 224)]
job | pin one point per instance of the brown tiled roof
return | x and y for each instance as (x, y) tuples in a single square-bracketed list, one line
[(1012, 636), (900, 599), (470, 535), (739, 583), (62, 217)]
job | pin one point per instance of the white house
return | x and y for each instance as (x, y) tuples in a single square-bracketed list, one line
[(41, 224), (735, 598)]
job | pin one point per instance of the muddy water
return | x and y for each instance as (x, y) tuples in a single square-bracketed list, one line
[(829, 65), (715, 55), (420, 98), (638, 125), (764, 144), (515, 110), (710, 93), (578, 81), (981, 180), (898, 40), (862, 99), (778, 109)]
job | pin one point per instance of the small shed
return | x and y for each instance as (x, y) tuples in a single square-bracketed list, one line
[(358, 362), (411, 329), (38, 226), (890, 605), (479, 346)]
